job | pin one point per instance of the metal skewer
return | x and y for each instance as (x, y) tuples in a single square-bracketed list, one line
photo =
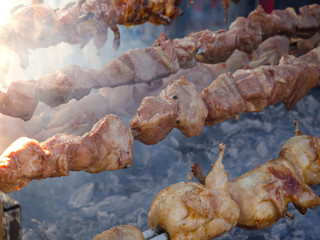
[(156, 233)]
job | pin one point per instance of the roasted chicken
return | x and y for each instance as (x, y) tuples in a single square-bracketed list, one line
[(255, 200)]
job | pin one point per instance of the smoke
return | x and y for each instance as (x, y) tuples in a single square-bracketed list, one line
[(73, 116), (82, 205)]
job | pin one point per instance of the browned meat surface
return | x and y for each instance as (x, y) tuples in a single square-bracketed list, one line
[(20, 100), (255, 200), (186, 49), (292, 149), (58, 87), (39, 26), (108, 146), (270, 51), (222, 99), (263, 194), (246, 34), (307, 78), (308, 20), (122, 232), (189, 107), (79, 22), (166, 57), (287, 21), (196, 211), (151, 124), (228, 96), (242, 34), (128, 12), (151, 63), (278, 22), (305, 45), (179, 105), (253, 90)]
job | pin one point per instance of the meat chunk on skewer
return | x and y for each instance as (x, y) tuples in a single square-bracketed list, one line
[(180, 106), (164, 58), (253, 90), (20, 100), (40, 26), (232, 94), (74, 81), (270, 51), (108, 146)]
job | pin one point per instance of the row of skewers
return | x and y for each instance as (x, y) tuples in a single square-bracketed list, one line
[(197, 208)]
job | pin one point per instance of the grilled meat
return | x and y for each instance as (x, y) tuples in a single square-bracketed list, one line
[(255, 200), (108, 146)]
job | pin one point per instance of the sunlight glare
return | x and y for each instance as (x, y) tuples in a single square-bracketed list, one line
[(4, 12)]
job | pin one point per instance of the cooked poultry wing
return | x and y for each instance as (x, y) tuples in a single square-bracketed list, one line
[(228, 96), (255, 200), (40, 26), (108, 146)]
